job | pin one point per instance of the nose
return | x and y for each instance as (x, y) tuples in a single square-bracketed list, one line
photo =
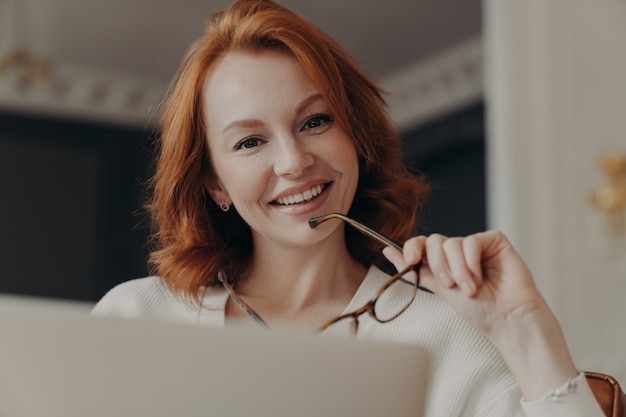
[(292, 157)]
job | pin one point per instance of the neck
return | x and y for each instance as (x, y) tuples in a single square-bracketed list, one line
[(307, 285)]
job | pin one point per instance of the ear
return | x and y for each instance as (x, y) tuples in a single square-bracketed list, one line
[(216, 190)]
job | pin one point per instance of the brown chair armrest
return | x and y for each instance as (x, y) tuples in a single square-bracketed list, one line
[(610, 396)]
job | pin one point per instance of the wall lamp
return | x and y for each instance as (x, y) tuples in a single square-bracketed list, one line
[(611, 197)]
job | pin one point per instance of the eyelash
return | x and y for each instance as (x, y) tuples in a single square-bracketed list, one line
[(242, 144), (323, 119)]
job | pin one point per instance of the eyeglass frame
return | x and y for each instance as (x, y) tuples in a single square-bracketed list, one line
[(370, 306)]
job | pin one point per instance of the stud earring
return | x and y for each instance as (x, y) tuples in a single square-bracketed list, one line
[(224, 206)]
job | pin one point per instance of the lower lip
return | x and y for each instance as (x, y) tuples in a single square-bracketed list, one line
[(307, 207)]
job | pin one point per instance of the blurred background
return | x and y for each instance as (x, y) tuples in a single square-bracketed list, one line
[(511, 109), (79, 89)]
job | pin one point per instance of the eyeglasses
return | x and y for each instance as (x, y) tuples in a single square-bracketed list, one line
[(393, 298)]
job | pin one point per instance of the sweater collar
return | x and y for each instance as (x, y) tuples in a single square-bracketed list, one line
[(212, 310)]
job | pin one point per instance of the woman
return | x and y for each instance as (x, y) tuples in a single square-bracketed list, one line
[(270, 123)]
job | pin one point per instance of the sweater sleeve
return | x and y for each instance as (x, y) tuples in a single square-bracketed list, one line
[(572, 399), (144, 298)]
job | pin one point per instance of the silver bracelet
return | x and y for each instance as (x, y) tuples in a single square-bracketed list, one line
[(569, 388)]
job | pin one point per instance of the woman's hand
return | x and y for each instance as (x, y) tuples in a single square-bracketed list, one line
[(485, 280), (481, 276)]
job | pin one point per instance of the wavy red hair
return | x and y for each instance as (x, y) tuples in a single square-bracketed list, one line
[(194, 239)]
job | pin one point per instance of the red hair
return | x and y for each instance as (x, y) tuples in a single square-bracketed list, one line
[(194, 238)]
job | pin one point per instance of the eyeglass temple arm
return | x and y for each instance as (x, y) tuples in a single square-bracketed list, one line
[(239, 301), (316, 221)]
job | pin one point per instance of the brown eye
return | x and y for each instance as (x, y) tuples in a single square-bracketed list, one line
[(248, 143), (317, 121)]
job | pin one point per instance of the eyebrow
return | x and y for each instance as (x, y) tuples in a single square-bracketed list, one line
[(255, 123)]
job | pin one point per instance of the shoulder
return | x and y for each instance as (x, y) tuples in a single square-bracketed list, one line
[(143, 298)]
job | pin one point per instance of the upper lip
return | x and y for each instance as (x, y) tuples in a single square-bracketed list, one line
[(300, 189)]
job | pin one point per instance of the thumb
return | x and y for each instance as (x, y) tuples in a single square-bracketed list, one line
[(412, 254), (396, 257)]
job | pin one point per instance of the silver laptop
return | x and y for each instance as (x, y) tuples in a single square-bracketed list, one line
[(56, 361)]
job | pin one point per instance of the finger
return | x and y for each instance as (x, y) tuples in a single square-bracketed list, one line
[(460, 273), (437, 260), (427, 279), (396, 257), (414, 252), (413, 249), (473, 250)]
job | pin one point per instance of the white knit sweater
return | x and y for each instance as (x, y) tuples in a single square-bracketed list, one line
[(468, 375)]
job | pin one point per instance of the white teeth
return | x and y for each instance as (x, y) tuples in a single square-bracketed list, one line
[(300, 197)]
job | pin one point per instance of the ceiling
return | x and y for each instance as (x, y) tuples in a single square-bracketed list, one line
[(112, 59), (149, 37)]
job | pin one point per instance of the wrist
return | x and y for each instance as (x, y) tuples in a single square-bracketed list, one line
[(533, 345)]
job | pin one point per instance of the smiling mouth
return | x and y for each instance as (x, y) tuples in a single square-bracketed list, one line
[(303, 197)]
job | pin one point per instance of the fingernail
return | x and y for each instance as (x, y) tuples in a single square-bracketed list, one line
[(466, 288), (445, 279)]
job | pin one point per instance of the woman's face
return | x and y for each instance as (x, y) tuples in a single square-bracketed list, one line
[(278, 155)]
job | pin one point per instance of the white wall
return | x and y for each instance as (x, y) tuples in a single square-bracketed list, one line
[(555, 75)]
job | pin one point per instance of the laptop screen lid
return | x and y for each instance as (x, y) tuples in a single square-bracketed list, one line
[(55, 360)]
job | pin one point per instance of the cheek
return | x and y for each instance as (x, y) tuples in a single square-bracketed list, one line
[(346, 157), (240, 181)]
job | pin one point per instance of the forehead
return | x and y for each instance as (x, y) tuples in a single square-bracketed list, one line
[(253, 84), (248, 72)]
